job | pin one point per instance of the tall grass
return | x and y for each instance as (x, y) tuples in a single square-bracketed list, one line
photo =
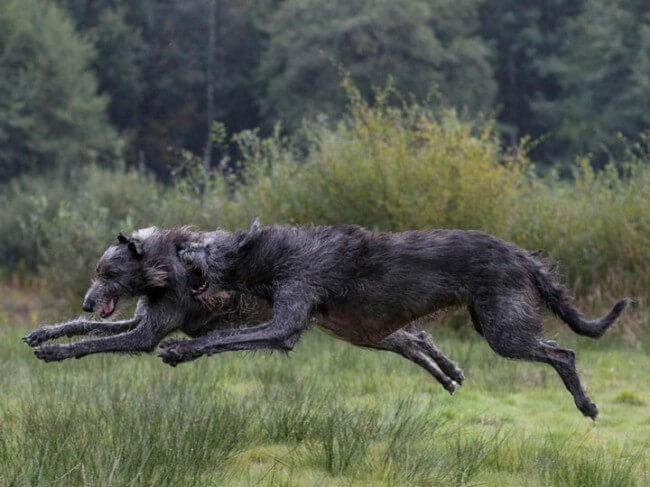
[(115, 420)]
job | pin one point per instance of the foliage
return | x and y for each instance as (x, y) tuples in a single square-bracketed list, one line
[(594, 226), (153, 63), (524, 35), (571, 75), (603, 73), (119, 54), (421, 45), (385, 168), (50, 116)]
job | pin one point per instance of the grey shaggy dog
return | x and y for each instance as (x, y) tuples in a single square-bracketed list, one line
[(363, 286), (146, 266)]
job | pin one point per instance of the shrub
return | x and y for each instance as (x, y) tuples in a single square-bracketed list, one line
[(384, 168), (395, 169), (595, 226)]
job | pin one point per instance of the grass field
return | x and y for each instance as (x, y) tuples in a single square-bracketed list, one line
[(329, 414)]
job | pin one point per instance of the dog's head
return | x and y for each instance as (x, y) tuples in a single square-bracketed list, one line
[(212, 256), (122, 272), (194, 256)]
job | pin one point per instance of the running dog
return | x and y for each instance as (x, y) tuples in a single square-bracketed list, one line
[(364, 286)]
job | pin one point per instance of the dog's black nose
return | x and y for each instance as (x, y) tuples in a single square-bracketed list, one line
[(89, 305)]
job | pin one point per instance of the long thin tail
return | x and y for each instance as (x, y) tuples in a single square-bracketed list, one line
[(559, 302)]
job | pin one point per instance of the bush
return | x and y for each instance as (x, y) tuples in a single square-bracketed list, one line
[(595, 226), (384, 168), (397, 169)]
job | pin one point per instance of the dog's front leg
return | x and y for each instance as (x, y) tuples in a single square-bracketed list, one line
[(291, 314), (143, 338), (78, 327)]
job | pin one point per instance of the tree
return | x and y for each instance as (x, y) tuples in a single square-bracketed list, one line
[(603, 72), (50, 114), (524, 36), (420, 43), (171, 69)]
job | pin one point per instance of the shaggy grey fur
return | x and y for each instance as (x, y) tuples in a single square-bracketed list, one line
[(147, 266), (363, 286)]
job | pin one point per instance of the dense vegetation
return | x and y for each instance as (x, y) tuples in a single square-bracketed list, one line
[(386, 168), (573, 74), (525, 119)]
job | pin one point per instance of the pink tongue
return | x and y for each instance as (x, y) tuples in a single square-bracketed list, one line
[(109, 307)]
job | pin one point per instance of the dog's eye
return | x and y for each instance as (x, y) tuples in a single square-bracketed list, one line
[(108, 274)]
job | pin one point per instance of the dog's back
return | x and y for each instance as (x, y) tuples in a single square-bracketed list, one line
[(349, 260)]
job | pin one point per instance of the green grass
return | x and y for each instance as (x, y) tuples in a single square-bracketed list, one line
[(329, 414)]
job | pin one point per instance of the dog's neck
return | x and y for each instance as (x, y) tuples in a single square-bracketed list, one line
[(162, 268), (245, 268)]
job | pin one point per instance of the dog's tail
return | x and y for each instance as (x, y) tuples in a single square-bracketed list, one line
[(557, 298)]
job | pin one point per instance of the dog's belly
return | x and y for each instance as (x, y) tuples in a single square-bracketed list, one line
[(358, 328)]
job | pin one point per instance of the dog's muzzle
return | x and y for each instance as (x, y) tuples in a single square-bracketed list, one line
[(88, 305)]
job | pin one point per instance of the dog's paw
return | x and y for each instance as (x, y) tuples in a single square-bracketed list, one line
[(456, 374), (170, 356), (453, 371), (589, 409), (173, 353), (51, 353), (450, 386), (38, 336)]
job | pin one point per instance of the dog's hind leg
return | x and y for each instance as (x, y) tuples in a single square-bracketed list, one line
[(564, 362), (512, 328), (410, 347), (448, 366), (78, 327)]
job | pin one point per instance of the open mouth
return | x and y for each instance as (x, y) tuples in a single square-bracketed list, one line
[(108, 308), (200, 290), (198, 284)]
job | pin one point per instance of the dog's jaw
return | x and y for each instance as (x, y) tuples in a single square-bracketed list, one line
[(109, 307)]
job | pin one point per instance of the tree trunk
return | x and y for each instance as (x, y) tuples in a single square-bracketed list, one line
[(209, 85)]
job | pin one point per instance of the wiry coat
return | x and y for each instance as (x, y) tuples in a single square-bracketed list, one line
[(364, 285), (146, 266)]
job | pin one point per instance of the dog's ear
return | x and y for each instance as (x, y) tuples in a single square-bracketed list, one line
[(255, 225), (121, 238), (135, 246), (249, 237)]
